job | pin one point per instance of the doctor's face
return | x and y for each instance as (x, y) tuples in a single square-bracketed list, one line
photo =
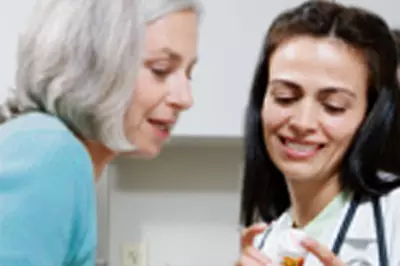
[(315, 102)]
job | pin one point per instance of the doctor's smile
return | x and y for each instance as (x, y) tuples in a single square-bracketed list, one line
[(299, 149)]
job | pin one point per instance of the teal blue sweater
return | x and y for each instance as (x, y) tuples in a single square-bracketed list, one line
[(47, 195)]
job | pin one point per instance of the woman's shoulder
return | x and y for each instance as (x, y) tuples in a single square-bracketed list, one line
[(43, 143), (30, 122), (49, 175)]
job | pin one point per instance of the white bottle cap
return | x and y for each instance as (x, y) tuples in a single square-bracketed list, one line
[(289, 244)]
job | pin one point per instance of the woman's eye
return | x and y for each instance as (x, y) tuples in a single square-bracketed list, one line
[(334, 109), (285, 99), (283, 95), (160, 73)]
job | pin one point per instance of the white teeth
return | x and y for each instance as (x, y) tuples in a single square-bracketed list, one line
[(301, 147), (162, 127)]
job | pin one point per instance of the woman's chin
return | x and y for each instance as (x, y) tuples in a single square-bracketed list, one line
[(149, 152), (299, 175)]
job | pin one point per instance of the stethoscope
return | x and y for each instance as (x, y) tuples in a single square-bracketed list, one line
[(380, 230)]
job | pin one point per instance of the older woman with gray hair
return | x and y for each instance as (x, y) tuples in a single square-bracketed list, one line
[(95, 79)]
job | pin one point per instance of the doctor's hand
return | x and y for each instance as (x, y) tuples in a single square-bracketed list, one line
[(324, 255), (250, 256)]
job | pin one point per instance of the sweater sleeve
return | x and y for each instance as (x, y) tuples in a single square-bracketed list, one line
[(45, 190)]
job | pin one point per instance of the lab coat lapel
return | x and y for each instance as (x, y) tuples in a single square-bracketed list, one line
[(360, 243)]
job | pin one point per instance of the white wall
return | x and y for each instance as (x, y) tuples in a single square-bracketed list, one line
[(12, 15), (185, 205), (231, 34), (103, 219)]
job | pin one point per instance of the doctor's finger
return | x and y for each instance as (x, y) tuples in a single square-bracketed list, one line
[(250, 233), (324, 255), (249, 260), (256, 255)]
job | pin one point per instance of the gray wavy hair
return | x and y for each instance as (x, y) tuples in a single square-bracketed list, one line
[(78, 60)]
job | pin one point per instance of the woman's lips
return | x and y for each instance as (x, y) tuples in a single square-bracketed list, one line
[(300, 149), (162, 127)]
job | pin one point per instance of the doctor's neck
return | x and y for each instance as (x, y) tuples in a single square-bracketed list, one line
[(308, 199)]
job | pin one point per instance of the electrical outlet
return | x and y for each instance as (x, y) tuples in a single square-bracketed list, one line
[(134, 254)]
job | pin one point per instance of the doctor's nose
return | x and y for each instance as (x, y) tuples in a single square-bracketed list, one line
[(304, 119)]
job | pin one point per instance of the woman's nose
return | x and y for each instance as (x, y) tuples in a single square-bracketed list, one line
[(180, 96), (304, 118)]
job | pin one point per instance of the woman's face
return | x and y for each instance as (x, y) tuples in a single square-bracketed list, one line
[(163, 88), (316, 100)]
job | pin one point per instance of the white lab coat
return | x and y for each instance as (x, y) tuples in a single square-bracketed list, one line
[(360, 247)]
